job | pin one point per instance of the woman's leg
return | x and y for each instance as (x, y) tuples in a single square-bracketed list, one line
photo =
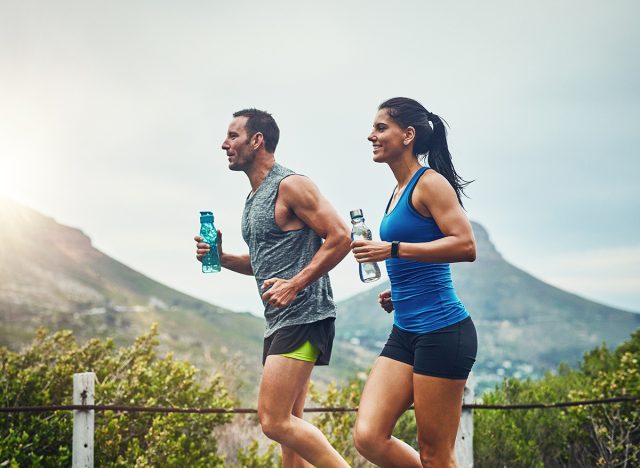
[(387, 394), (438, 404)]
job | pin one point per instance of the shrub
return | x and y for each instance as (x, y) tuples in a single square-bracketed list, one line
[(41, 374)]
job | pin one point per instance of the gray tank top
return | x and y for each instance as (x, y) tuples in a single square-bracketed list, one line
[(282, 254)]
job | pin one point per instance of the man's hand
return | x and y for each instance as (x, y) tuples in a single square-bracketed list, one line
[(366, 251), (282, 292), (384, 299), (202, 248)]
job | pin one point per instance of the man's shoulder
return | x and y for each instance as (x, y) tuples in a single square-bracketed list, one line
[(296, 182)]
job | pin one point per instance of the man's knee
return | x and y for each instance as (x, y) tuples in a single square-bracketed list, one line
[(274, 428)]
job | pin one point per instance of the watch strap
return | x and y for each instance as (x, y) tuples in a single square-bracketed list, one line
[(394, 249)]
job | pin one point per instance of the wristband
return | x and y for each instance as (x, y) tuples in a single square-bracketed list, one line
[(394, 249)]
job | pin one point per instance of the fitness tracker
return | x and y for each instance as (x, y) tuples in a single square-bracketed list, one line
[(394, 249)]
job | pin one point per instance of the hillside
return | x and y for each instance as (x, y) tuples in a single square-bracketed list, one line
[(57, 279), (525, 326)]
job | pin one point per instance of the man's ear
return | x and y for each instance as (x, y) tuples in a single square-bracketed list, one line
[(257, 140)]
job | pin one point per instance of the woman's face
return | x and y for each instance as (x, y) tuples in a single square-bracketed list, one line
[(387, 138)]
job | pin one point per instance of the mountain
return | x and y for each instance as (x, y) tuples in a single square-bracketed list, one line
[(525, 326), (51, 276)]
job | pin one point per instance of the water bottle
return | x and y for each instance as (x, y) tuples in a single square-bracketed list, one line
[(211, 262), (368, 271)]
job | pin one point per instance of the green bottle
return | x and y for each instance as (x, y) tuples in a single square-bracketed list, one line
[(211, 262)]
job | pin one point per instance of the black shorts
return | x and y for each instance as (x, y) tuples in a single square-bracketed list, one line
[(288, 339), (448, 352)]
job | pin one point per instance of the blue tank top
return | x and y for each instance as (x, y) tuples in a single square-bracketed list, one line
[(423, 296)]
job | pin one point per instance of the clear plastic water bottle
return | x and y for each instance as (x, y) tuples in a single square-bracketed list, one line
[(211, 262), (368, 271)]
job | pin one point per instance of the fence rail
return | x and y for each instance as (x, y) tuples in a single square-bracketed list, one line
[(84, 409), (156, 409)]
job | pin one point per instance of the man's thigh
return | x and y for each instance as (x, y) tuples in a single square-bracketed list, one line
[(283, 380)]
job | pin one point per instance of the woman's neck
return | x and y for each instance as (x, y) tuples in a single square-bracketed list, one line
[(403, 169)]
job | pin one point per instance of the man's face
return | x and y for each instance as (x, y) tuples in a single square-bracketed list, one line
[(237, 145)]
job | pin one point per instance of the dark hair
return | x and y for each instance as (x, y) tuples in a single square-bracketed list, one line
[(430, 143), (261, 122)]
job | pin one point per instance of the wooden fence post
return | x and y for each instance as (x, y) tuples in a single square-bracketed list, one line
[(83, 421), (464, 439)]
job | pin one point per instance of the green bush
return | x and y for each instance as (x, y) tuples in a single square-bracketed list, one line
[(250, 456), (594, 435), (41, 374), (338, 426)]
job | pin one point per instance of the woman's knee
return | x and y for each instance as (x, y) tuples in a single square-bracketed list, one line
[(367, 439), (434, 454)]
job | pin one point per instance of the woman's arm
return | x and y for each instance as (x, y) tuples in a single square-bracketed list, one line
[(433, 196)]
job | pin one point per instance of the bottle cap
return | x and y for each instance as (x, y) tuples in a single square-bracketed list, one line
[(206, 217), (356, 214)]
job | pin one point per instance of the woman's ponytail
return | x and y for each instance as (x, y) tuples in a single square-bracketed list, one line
[(431, 138), (439, 157)]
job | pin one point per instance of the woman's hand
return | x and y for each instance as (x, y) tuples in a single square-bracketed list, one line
[(384, 299), (370, 251)]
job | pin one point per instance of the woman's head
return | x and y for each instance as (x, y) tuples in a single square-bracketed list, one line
[(425, 133)]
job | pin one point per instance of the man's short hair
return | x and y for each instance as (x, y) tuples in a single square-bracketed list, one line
[(261, 122)]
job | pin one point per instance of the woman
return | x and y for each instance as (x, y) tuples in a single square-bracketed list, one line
[(433, 343)]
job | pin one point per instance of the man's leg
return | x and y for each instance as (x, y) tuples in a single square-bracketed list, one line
[(282, 382), (291, 459)]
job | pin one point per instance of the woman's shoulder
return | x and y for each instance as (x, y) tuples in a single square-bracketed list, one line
[(433, 187), (431, 180)]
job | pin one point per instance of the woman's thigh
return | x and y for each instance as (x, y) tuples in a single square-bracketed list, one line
[(438, 405), (386, 395)]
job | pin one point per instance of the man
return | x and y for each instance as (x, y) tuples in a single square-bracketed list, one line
[(284, 221)]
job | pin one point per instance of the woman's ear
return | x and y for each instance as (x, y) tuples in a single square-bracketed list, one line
[(409, 135)]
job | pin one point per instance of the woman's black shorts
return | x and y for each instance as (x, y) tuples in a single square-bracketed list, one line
[(448, 352)]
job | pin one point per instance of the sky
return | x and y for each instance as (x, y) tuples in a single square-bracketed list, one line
[(112, 115)]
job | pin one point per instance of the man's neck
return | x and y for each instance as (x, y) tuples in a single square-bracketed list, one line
[(259, 169)]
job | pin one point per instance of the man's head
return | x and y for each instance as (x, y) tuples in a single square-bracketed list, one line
[(250, 131)]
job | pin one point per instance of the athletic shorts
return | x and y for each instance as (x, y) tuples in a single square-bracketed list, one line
[(448, 352), (288, 339)]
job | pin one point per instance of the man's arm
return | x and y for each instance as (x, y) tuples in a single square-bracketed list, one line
[(237, 263), (305, 201)]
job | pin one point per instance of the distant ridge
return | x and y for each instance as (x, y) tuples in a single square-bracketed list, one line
[(57, 279), (525, 326), (52, 276)]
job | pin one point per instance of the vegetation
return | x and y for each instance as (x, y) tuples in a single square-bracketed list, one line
[(596, 435), (42, 373)]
